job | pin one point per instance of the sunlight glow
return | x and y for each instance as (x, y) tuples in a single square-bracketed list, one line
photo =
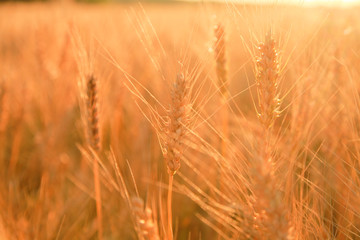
[(342, 3), (332, 1)]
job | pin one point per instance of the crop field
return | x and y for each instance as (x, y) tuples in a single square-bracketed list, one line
[(179, 121)]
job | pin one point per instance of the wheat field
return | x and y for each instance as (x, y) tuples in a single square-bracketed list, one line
[(179, 121)]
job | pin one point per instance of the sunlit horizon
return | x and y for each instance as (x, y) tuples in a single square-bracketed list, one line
[(332, 2), (342, 3)]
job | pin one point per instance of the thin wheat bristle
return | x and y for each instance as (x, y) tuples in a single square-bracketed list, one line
[(177, 127), (220, 57), (93, 120)]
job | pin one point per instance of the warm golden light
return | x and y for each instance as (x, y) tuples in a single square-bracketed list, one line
[(296, 2), (179, 119), (332, 2)]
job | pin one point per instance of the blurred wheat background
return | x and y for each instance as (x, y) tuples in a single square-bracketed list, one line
[(179, 121)]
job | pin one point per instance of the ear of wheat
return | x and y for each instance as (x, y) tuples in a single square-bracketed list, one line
[(267, 78), (144, 220), (220, 57), (89, 107), (93, 121), (177, 127)]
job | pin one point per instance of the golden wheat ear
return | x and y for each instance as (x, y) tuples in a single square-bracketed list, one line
[(220, 57), (267, 79), (179, 116), (93, 120), (144, 220)]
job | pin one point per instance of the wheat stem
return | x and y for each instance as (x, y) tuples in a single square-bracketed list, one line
[(176, 131), (169, 207), (94, 139), (270, 213)]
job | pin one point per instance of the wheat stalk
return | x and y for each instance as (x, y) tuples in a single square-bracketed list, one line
[(270, 213), (223, 85), (176, 131), (89, 107), (94, 142)]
